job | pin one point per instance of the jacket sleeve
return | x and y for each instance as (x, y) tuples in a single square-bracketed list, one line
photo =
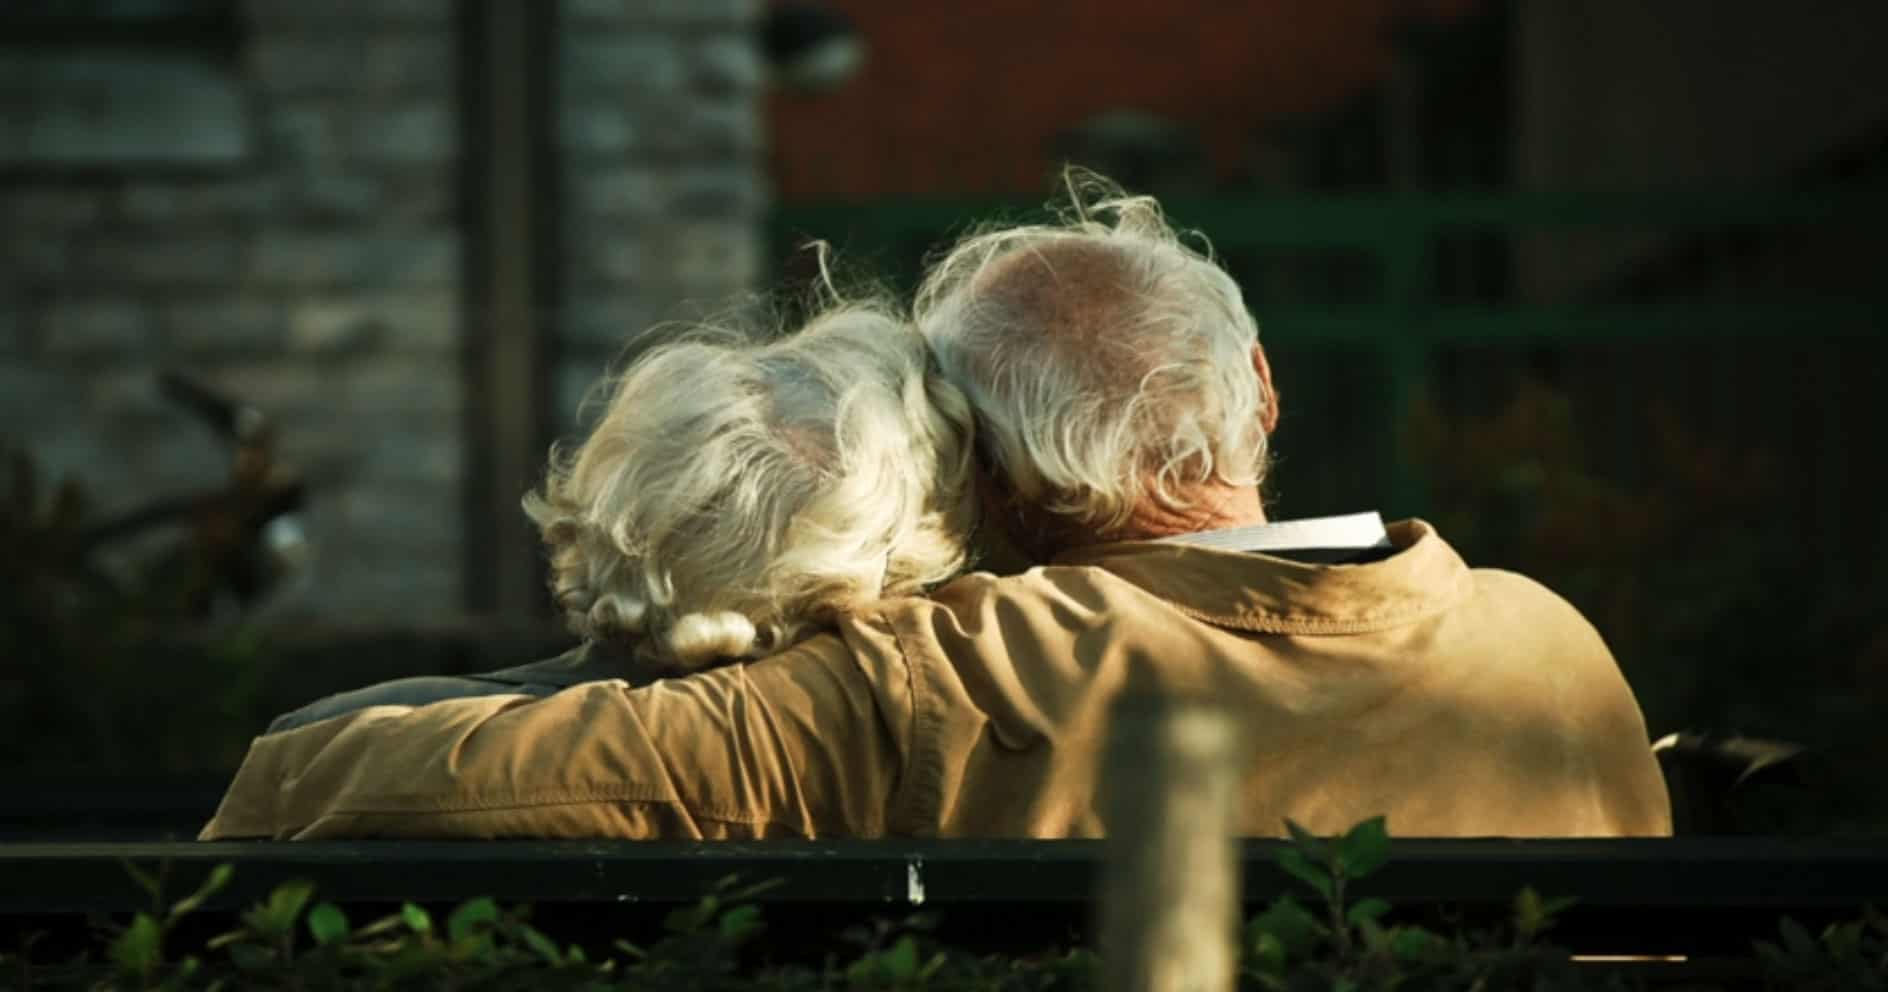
[(793, 745)]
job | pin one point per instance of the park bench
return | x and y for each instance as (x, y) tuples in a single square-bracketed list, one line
[(1697, 897), (1702, 899)]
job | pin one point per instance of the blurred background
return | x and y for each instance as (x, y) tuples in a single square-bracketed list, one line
[(295, 296)]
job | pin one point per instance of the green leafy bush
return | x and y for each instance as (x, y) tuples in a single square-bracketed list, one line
[(1330, 943)]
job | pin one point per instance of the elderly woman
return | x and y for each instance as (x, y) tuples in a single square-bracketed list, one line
[(735, 497)]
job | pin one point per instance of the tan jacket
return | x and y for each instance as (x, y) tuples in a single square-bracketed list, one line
[(1457, 702)]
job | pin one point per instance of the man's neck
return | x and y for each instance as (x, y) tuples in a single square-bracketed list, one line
[(1213, 508), (1207, 508)]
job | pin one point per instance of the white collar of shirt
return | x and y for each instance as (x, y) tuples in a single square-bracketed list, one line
[(1353, 531)]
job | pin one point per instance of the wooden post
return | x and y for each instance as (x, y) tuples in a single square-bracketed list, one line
[(1171, 885)]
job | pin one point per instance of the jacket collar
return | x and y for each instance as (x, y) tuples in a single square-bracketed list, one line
[(1351, 532), (1270, 594)]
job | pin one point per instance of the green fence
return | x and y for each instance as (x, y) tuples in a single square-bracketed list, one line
[(1381, 302)]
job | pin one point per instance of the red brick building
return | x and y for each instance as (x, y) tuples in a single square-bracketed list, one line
[(970, 96)]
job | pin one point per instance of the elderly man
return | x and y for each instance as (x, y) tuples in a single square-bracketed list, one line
[(1124, 409)]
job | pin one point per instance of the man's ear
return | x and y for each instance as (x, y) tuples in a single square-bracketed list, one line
[(1268, 421)]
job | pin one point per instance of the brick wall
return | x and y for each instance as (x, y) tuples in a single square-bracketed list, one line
[(663, 193), (320, 277), (969, 97)]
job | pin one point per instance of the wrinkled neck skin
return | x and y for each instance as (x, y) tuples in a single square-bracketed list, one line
[(1210, 507), (1040, 536)]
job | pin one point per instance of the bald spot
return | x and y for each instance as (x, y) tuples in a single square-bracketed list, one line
[(1074, 296)]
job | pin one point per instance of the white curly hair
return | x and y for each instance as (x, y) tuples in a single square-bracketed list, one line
[(737, 494), (1108, 360)]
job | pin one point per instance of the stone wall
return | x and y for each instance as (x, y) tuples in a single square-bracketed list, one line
[(317, 279), (660, 141), (320, 277)]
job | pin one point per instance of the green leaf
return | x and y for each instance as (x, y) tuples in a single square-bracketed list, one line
[(327, 924), (381, 927), (469, 917), (1411, 943), (1268, 954), (1366, 911), (416, 919), (1364, 849), (1299, 867), (276, 917), (901, 962), (1529, 914), (139, 949), (1075, 969), (541, 945), (740, 923), (218, 878), (250, 957), (1534, 915), (223, 940), (1290, 923), (1305, 840), (1559, 904), (1795, 938), (688, 919), (1375, 938), (1842, 939)]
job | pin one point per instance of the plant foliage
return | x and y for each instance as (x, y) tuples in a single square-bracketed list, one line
[(1330, 942)]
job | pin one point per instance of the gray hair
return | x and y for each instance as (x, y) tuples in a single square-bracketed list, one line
[(738, 494), (1108, 360)]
